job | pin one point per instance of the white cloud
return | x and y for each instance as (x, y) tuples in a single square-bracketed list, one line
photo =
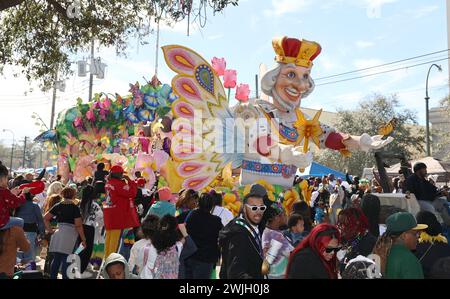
[(328, 63), (374, 8), (364, 44), (282, 7), (423, 11)]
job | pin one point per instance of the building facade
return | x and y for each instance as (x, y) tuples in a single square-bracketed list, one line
[(440, 133)]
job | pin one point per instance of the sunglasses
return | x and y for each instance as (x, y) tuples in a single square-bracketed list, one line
[(332, 249), (255, 208)]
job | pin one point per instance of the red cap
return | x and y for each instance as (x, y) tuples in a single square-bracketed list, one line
[(116, 169), (35, 187)]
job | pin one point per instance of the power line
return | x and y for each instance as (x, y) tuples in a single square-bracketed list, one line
[(438, 87), (381, 65), (379, 73)]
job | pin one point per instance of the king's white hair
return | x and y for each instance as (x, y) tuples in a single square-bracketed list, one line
[(270, 78)]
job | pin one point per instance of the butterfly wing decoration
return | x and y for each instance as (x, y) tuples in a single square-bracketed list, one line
[(388, 128), (49, 135), (201, 99)]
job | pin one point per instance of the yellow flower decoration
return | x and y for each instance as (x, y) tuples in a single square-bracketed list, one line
[(269, 188), (424, 237), (246, 189), (157, 126), (227, 179), (105, 140), (290, 197), (306, 191), (308, 129), (231, 203)]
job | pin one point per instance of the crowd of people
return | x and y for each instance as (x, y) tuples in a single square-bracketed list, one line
[(117, 226)]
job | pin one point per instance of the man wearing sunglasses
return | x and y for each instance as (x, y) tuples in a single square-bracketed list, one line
[(240, 241)]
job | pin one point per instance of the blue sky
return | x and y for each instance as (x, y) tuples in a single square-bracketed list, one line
[(352, 35)]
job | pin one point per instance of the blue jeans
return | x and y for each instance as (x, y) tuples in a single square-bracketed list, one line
[(30, 255), (13, 221), (198, 270), (59, 259)]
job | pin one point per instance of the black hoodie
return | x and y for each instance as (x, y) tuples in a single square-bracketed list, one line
[(241, 256)]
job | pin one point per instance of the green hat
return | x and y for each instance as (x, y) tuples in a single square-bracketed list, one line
[(401, 222)]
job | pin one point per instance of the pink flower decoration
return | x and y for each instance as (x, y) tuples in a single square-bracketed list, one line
[(242, 92), (103, 114), (219, 65), (229, 79), (106, 104), (90, 115), (96, 105), (78, 122), (138, 101)]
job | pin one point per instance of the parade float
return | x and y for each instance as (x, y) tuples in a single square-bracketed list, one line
[(188, 133)]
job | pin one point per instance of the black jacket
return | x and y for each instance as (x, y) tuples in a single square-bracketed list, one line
[(204, 230), (143, 200), (241, 253), (371, 206), (306, 264), (421, 188), (427, 259)]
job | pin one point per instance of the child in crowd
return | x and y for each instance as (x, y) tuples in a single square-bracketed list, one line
[(296, 229), (320, 213)]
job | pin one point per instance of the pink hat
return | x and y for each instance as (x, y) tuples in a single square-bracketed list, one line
[(165, 194)]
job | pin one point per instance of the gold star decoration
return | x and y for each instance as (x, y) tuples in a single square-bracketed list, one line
[(308, 129)]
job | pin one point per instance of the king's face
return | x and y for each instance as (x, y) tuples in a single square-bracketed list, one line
[(292, 82)]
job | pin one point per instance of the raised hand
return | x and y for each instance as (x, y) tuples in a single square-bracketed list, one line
[(367, 142)]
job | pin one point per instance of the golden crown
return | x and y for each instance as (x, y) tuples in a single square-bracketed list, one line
[(292, 50)]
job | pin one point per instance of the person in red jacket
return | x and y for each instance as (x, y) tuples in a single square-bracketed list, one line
[(120, 212), (9, 199)]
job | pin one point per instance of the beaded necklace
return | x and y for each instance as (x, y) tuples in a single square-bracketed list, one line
[(354, 244)]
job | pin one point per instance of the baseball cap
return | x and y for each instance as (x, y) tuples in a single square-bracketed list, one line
[(258, 189), (403, 221)]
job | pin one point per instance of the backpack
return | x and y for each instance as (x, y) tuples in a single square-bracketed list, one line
[(165, 266)]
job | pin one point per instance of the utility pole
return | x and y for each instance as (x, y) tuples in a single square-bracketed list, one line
[(11, 158), (91, 75), (24, 151), (256, 85), (52, 116), (427, 110)]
